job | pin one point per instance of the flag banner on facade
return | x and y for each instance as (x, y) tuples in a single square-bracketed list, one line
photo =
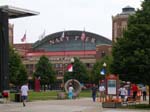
[(87, 39), (70, 68), (103, 72), (57, 40), (76, 37), (23, 38), (67, 38), (83, 36), (93, 40)]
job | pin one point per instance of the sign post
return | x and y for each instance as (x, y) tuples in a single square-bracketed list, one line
[(112, 85)]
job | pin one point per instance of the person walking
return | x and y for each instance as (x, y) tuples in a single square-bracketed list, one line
[(134, 89), (70, 91), (102, 93), (143, 89), (94, 92), (123, 93), (24, 93)]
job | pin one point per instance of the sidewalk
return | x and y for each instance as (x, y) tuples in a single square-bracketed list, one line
[(77, 105)]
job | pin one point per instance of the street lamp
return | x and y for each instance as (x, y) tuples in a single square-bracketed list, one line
[(72, 62), (63, 72), (103, 71), (104, 64)]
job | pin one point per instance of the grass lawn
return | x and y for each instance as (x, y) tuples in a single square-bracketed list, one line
[(48, 95)]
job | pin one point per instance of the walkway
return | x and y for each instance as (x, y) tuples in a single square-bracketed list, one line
[(77, 105)]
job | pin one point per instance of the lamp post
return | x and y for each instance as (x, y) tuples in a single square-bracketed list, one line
[(63, 72), (103, 73), (103, 70), (104, 64), (72, 62)]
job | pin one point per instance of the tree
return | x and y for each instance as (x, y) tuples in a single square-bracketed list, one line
[(131, 54), (45, 71), (95, 74), (79, 72), (18, 73)]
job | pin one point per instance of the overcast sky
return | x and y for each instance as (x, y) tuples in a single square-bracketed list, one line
[(56, 15)]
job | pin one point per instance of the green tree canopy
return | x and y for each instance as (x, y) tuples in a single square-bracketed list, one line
[(45, 71), (98, 66), (132, 52), (18, 73), (79, 72)]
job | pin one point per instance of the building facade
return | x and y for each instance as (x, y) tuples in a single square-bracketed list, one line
[(61, 47), (120, 21)]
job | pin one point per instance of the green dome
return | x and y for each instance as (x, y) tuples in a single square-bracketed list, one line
[(71, 41)]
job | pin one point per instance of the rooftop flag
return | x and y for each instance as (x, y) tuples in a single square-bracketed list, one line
[(70, 68), (23, 39), (83, 36), (63, 34)]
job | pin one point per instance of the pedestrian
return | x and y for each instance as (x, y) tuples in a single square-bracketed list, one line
[(24, 93), (134, 89), (144, 92), (102, 93), (70, 91), (94, 92), (123, 93)]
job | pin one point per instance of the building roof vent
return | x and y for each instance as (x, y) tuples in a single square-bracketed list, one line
[(128, 10)]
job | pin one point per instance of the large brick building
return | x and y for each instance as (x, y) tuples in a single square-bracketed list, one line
[(119, 22), (86, 46)]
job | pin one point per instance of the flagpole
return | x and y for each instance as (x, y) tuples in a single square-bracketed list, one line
[(84, 43), (84, 48), (63, 59), (63, 35), (25, 44)]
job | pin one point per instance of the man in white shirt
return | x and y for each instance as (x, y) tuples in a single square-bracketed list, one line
[(24, 93), (102, 93), (123, 93)]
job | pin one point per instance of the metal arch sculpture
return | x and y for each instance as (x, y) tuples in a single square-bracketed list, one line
[(76, 85)]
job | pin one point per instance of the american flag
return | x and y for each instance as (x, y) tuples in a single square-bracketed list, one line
[(23, 39), (83, 36), (70, 68)]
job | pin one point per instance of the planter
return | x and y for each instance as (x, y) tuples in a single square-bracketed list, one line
[(111, 104)]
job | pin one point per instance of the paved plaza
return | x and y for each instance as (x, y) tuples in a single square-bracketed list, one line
[(77, 105)]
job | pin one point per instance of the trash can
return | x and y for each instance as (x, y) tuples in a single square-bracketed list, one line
[(17, 97)]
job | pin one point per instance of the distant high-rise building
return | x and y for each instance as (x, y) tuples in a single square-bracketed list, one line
[(119, 22)]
